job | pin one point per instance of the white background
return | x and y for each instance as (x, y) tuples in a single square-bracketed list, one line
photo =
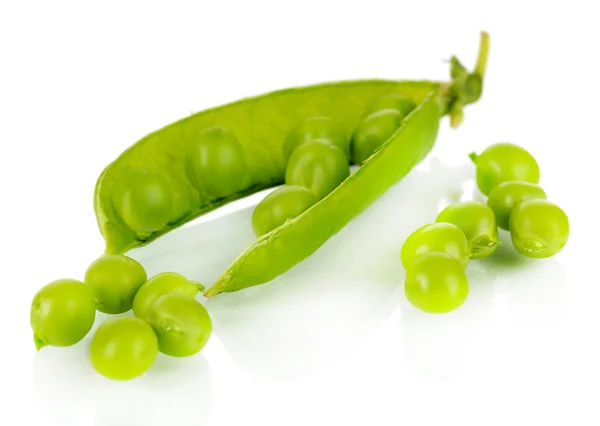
[(334, 341)]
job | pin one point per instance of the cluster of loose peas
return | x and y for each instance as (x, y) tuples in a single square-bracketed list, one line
[(318, 154), (435, 256), (168, 318)]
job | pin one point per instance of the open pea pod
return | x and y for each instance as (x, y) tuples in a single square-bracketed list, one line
[(211, 158)]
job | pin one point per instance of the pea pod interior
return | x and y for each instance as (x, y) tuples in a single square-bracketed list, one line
[(260, 126)]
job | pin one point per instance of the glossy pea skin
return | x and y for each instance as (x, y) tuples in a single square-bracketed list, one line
[(159, 285), (144, 201), (326, 129), (435, 237), (373, 132), (436, 283), (539, 228), (123, 348), (181, 324), (318, 167), (503, 199), (215, 163), (478, 223), (504, 162), (400, 103), (280, 205), (115, 279), (62, 313)]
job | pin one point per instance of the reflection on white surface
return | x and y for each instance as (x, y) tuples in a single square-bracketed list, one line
[(68, 391), (63, 382), (528, 293), (176, 391), (321, 308)]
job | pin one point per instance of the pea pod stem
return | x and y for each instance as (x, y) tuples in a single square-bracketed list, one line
[(482, 58), (466, 88)]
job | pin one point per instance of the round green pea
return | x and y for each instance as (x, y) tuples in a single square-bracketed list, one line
[(503, 199), (400, 103), (326, 129), (436, 283), (181, 323), (280, 205), (478, 223), (539, 228), (115, 279), (504, 162), (144, 201), (435, 237), (62, 313), (215, 163), (373, 132), (123, 348), (317, 166), (159, 285)]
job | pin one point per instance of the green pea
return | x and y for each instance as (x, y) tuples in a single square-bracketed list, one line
[(403, 104), (144, 201), (62, 313), (504, 162), (215, 163), (373, 132), (435, 237), (181, 323), (123, 348), (539, 228), (115, 279), (504, 197), (326, 129), (159, 285), (478, 223), (436, 283), (317, 166), (280, 205)]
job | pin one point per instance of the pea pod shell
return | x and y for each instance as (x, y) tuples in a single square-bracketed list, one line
[(284, 247)]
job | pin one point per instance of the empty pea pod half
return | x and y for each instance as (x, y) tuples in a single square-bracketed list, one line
[(214, 157)]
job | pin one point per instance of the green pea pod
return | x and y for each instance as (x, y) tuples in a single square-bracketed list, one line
[(247, 137)]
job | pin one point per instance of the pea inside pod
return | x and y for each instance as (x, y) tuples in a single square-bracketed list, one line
[(215, 163), (373, 132), (280, 205), (478, 223), (318, 167), (144, 201), (403, 104), (326, 129)]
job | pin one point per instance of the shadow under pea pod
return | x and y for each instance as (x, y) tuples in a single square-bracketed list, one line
[(323, 307)]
